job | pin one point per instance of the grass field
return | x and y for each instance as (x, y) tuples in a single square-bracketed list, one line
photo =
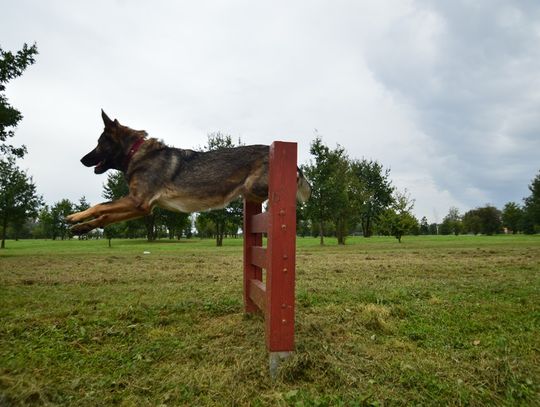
[(431, 321)]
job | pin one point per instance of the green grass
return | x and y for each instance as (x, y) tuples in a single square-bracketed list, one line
[(431, 321)]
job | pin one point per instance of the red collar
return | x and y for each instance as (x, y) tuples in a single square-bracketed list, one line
[(134, 148)]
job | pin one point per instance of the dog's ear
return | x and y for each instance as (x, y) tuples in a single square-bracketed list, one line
[(108, 122)]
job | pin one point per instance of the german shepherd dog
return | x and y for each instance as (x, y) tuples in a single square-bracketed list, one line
[(172, 178)]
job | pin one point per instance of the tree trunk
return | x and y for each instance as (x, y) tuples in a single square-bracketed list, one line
[(341, 231), (150, 227), (321, 232), (219, 234), (366, 227), (4, 228), (110, 242)]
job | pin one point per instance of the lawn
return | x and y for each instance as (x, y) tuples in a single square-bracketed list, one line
[(431, 321)]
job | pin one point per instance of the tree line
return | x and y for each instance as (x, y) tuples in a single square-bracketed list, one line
[(349, 196), (352, 197)]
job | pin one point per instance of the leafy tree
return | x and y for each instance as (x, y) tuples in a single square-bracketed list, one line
[(59, 211), (329, 201), (472, 223), (303, 224), (12, 66), (485, 220), (216, 222), (424, 226), (398, 220), (491, 219), (82, 205), (375, 192), (46, 222), (112, 231), (18, 198), (452, 222), (512, 217), (188, 232), (531, 216), (433, 229), (176, 223), (205, 226), (344, 191), (115, 187)]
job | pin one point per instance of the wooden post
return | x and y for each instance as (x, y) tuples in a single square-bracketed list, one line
[(281, 247), (275, 298)]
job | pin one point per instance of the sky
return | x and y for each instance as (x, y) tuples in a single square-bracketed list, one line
[(446, 94)]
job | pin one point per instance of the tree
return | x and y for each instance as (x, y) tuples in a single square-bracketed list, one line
[(18, 198), (424, 226), (491, 219), (512, 217), (485, 220), (375, 194), (111, 231), (176, 223), (452, 222), (531, 215), (59, 211), (12, 66), (472, 223), (45, 222), (82, 206), (398, 220), (330, 197), (303, 224)]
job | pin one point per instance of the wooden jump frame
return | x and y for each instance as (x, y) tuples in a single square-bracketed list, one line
[(275, 297)]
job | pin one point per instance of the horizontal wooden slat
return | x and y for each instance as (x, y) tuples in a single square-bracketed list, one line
[(258, 257), (257, 293), (259, 223)]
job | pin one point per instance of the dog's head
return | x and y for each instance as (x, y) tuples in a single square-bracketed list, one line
[(113, 146)]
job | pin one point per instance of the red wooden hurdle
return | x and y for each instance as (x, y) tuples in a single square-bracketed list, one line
[(275, 298)]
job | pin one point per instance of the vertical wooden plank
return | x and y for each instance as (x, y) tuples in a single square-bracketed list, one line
[(281, 249), (250, 240)]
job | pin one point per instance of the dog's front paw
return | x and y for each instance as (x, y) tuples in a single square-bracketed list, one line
[(73, 218), (81, 229)]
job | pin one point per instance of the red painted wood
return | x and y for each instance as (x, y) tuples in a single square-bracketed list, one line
[(251, 271), (259, 257), (281, 249), (257, 293), (276, 298), (259, 223)]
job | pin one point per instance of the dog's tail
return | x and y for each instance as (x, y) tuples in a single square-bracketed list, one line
[(303, 190)]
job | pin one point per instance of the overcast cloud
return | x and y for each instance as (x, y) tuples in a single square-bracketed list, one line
[(445, 93)]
